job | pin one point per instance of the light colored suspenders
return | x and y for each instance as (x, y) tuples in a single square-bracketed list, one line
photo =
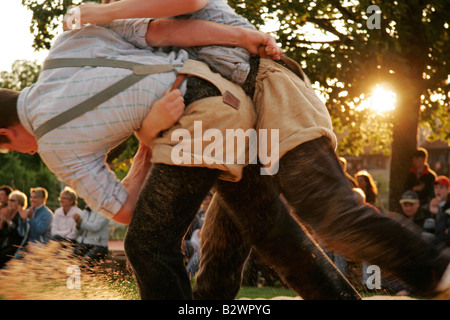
[(140, 71)]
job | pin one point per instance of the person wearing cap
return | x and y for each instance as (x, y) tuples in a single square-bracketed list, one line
[(420, 177), (412, 210), (439, 206)]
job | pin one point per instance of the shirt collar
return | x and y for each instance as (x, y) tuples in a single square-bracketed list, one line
[(22, 111)]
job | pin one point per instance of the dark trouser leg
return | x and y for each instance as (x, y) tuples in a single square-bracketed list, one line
[(223, 255), (254, 207), (314, 184), (167, 205)]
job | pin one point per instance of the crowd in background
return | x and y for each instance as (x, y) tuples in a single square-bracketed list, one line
[(425, 208), (26, 222)]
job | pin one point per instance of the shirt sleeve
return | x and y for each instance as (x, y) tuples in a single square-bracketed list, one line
[(90, 177), (131, 30)]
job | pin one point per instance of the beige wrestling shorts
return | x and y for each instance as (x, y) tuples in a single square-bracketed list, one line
[(285, 102), (214, 132)]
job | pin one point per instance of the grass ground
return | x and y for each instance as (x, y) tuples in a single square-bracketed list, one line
[(46, 273), (264, 293)]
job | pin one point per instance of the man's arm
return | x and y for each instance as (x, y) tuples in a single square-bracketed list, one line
[(193, 33), (162, 115), (180, 33), (126, 9), (133, 183)]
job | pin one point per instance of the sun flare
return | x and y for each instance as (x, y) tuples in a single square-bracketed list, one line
[(382, 100)]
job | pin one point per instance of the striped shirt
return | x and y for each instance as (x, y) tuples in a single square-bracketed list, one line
[(75, 152)]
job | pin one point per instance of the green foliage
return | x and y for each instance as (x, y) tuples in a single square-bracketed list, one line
[(24, 171), (23, 74), (264, 293), (47, 17), (120, 157)]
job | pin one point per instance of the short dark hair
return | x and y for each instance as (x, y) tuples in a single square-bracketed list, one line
[(421, 153), (8, 110), (7, 189)]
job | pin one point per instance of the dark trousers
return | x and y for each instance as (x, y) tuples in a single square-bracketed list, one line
[(311, 179), (249, 215), (168, 203)]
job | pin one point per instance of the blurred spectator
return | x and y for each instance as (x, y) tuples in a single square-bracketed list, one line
[(367, 184), (4, 194), (10, 238), (419, 215), (418, 219), (64, 227), (359, 195), (192, 247), (35, 223), (93, 235), (204, 207), (439, 207), (420, 178), (351, 180)]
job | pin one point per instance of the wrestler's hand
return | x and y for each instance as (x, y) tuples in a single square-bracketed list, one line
[(434, 205), (254, 40), (88, 13), (163, 114)]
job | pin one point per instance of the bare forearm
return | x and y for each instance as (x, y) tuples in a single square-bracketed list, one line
[(198, 33), (133, 183), (190, 33), (128, 9), (152, 8)]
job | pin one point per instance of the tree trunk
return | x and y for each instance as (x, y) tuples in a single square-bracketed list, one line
[(404, 142)]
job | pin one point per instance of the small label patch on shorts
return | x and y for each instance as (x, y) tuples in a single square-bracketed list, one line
[(231, 100)]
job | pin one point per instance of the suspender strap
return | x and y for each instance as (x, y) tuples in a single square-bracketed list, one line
[(137, 68), (140, 71)]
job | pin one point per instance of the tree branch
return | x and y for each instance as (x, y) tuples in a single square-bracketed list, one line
[(327, 26), (337, 4)]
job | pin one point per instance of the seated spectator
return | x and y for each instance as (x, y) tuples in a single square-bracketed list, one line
[(359, 195), (4, 194), (420, 177), (420, 220), (93, 235), (193, 250), (204, 207), (64, 227), (421, 217), (351, 180), (36, 222), (192, 247), (367, 184), (439, 207), (10, 237)]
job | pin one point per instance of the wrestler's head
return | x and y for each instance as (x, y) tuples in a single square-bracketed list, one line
[(13, 136)]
